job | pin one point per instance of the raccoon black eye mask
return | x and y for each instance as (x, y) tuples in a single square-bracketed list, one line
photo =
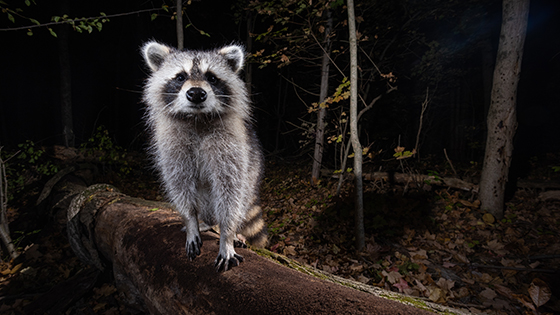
[(204, 145)]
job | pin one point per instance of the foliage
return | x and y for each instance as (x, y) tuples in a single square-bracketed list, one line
[(400, 153), (342, 93), (292, 28), (102, 148), (87, 24), (26, 166)]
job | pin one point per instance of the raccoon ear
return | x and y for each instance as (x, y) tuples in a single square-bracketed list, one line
[(234, 55), (154, 54)]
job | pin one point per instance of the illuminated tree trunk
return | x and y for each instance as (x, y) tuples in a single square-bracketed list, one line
[(359, 207), (502, 120), (179, 24)]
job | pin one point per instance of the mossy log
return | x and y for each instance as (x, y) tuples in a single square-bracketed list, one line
[(141, 241)]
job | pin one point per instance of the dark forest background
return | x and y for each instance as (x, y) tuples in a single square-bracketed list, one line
[(448, 47)]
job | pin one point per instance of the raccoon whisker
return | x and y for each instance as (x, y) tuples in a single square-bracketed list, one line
[(224, 104)]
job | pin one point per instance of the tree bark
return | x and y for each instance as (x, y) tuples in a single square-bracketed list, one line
[(65, 80), (359, 209), (502, 120), (179, 25), (320, 134), (249, 43), (143, 243), (4, 228)]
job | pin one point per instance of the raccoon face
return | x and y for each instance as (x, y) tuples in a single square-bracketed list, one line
[(189, 83)]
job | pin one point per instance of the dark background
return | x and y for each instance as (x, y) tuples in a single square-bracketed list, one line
[(108, 72)]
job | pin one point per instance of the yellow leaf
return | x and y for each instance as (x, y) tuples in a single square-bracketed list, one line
[(488, 218), (16, 268)]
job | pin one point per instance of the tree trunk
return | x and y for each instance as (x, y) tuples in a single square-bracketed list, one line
[(502, 120), (320, 134), (4, 228), (65, 80), (143, 243), (359, 208), (179, 25), (249, 43)]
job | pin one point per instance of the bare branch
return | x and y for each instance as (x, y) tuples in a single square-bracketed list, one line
[(77, 20)]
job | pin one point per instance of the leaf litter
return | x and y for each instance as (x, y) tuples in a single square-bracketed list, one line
[(435, 245)]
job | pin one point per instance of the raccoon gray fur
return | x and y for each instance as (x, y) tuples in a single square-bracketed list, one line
[(204, 144)]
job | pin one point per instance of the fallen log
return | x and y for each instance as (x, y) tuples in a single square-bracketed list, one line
[(143, 244), (405, 178)]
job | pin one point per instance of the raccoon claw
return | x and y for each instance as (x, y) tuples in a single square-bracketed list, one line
[(193, 248), (225, 264), (239, 244)]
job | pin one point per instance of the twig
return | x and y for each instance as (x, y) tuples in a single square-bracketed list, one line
[(544, 257), (449, 161), (424, 107), (76, 20), (508, 268)]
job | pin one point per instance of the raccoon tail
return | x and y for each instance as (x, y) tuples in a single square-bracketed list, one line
[(254, 229)]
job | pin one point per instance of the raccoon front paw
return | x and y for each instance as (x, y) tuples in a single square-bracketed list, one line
[(193, 247), (225, 263)]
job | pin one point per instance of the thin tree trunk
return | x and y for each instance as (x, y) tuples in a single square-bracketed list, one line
[(249, 65), (65, 80), (179, 25), (320, 134), (359, 207), (502, 120), (4, 228)]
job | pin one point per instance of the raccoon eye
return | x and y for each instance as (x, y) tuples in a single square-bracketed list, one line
[(211, 78), (180, 77)]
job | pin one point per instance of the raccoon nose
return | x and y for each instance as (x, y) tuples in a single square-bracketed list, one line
[(196, 95)]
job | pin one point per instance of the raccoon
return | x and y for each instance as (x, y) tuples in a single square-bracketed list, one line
[(204, 144)]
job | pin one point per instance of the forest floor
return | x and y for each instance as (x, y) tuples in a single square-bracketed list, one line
[(427, 241)]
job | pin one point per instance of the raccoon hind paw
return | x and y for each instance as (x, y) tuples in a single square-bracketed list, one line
[(223, 263), (193, 247)]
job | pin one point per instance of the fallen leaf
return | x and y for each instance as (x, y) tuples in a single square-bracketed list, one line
[(539, 291), (15, 269), (290, 250), (462, 258), (32, 252), (393, 276), (421, 254), (357, 267), (505, 291), (437, 295), (488, 294), (525, 301), (447, 264), (463, 291), (488, 218), (535, 264), (363, 279), (445, 284), (402, 285)]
